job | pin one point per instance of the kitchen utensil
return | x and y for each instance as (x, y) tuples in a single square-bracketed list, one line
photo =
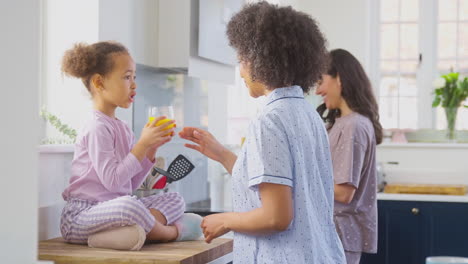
[(158, 181), (380, 177), (177, 170)]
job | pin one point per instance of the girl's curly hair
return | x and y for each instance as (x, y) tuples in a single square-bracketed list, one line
[(282, 47), (83, 60)]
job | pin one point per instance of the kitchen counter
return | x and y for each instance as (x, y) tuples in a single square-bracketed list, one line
[(187, 252), (204, 207), (423, 197), (424, 145)]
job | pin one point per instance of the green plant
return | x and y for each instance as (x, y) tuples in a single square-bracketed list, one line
[(450, 92), (61, 127)]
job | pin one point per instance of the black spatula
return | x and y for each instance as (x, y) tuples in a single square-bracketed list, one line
[(177, 170)]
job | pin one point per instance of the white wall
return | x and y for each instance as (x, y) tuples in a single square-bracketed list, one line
[(344, 23), (54, 174), (20, 51), (424, 163), (64, 97), (117, 21), (66, 23)]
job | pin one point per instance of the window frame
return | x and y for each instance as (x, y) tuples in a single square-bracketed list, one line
[(428, 66)]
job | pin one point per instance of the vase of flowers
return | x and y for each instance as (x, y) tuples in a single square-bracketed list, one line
[(451, 116), (450, 93)]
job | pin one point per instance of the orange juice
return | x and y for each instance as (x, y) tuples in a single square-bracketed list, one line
[(160, 122)]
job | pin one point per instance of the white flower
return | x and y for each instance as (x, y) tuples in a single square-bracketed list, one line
[(438, 82)]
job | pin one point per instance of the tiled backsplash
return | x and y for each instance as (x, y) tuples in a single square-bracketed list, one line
[(159, 87)]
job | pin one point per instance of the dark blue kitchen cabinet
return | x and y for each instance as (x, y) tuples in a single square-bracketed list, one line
[(448, 225), (410, 231)]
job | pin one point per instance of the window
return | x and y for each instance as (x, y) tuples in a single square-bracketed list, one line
[(62, 27), (452, 38), (399, 59), (417, 41), (452, 49)]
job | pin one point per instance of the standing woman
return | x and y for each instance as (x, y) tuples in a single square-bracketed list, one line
[(354, 130), (282, 178)]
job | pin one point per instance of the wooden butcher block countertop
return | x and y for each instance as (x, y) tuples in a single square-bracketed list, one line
[(426, 189), (176, 252)]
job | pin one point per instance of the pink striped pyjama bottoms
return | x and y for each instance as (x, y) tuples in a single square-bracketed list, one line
[(81, 218)]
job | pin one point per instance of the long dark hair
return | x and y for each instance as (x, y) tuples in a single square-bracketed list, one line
[(356, 90)]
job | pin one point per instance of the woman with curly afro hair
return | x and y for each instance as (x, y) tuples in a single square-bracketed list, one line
[(282, 178)]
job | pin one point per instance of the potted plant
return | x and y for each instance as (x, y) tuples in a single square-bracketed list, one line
[(450, 93)]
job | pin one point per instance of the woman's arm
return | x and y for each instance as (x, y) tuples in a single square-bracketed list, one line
[(275, 214), (208, 146), (344, 193), (348, 164), (228, 159)]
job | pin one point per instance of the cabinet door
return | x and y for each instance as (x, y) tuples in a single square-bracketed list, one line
[(134, 24), (212, 42), (400, 229), (448, 231), (381, 243)]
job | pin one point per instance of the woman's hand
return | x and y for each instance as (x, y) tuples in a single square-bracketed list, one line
[(207, 145), (213, 226), (275, 215), (206, 142)]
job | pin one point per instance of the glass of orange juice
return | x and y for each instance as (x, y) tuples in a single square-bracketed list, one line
[(157, 111)]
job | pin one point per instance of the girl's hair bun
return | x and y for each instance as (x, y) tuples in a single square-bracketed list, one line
[(83, 60), (79, 61)]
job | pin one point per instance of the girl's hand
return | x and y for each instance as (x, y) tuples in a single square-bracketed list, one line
[(153, 136), (213, 226), (206, 142)]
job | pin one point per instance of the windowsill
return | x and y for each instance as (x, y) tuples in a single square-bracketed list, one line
[(63, 148), (423, 145)]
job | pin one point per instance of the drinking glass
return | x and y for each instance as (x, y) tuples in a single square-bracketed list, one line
[(157, 111)]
